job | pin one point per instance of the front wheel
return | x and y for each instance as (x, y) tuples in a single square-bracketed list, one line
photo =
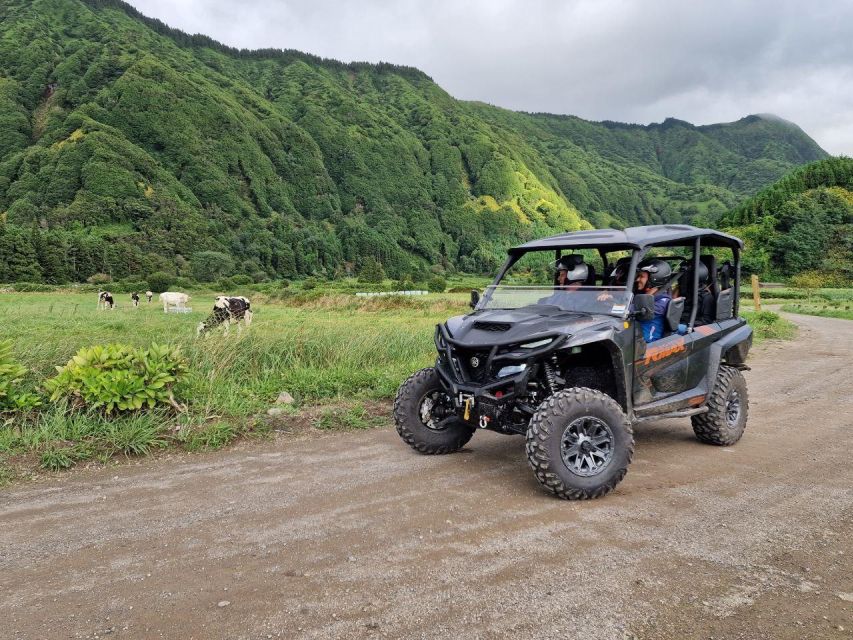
[(425, 416), (580, 444)]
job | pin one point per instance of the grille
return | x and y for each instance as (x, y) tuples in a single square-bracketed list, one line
[(492, 326), (478, 373)]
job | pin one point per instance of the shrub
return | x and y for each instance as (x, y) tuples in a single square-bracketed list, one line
[(182, 283), (371, 271), (404, 285), (437, 284), (310, 283), (208, 266), (129, 286), (99, 278), (242, 280), (160, 281), (11, 374), (117, 376)]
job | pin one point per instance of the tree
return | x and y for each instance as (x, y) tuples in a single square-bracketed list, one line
[(160, 281), (371, 271), (437, 284), (208, 266)]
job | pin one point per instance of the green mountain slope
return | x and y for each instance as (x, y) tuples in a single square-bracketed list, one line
[(803, 222), (128, 147)]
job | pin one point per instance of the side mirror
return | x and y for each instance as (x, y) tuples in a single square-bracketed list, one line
[(475, 298), (644, 306)]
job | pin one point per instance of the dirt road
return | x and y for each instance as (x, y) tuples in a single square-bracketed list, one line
[(354, 535)]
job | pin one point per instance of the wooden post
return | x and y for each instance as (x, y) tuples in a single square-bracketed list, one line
[(756, 292)]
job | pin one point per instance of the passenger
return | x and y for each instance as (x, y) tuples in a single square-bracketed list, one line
[(706, 306), (653, 278), (570, 276)]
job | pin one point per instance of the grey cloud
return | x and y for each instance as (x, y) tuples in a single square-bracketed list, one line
[(599, 59)]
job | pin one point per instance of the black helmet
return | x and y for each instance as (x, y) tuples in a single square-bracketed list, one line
[(620, 269), (566, 263), (659, 272), (687, 269), (575, 268)]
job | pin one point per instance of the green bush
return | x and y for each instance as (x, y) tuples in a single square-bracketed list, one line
[(11, 374), (160, 281), (99, 278), (208, 266), (117, 376), (437, 284), (129, 286), (371, 271)]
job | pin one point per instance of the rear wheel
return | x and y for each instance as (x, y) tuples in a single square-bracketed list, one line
[(425, 416), (728, 407), (580, 444)]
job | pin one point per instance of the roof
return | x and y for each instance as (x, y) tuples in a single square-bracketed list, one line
[(632, 238)]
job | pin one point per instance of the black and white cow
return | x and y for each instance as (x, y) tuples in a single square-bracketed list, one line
[(135, 298), (227, 310), (105, 299)]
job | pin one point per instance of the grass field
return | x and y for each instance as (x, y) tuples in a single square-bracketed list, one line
[(829, 303), (335, 352)]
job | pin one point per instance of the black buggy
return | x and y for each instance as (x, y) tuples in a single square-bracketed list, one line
[(569, 368)]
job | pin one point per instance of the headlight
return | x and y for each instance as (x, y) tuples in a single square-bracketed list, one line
[(511, 370), (538, 343)]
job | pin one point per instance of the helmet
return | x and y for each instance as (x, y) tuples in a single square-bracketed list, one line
[(620, 270), (659, 272), (567, 262), (575, 268), (687, 269)]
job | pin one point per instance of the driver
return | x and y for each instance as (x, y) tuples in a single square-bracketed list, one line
[(653, 276), (569, 275)]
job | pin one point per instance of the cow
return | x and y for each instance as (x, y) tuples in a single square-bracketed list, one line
[(105, 299), (149, 295), (135, 298), (173, 299), (227, 310)]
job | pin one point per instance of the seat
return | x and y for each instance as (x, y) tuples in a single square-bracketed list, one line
[(725, 308), (726, 275), (674, 310)]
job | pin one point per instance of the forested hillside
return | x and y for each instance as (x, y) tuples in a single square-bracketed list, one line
[(802, 223), (127, 147)]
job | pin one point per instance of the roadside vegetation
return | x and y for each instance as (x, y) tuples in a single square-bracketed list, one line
[(341, 357)]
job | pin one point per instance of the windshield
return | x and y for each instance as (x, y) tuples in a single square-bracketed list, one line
[(607, 300), (578, 281)]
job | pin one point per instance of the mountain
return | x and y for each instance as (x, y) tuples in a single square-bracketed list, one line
[(803, 222), (127, 147)]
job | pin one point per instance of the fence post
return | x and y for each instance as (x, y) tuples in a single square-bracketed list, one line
[(756, 292)]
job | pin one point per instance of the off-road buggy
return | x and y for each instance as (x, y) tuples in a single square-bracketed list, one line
[(570, 369)]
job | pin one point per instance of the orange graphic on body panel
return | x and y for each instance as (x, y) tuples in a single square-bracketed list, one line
[(653, 354)]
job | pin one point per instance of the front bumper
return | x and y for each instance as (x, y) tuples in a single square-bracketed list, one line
[(485, 388)]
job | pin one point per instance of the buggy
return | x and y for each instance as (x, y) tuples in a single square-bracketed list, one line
[(570, 370)]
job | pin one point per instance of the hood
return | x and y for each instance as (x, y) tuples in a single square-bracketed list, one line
[(509, 326)]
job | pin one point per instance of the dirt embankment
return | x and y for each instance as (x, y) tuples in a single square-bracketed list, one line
[(354, 535)]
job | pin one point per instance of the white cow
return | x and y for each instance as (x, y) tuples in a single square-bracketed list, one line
[(173, 299)]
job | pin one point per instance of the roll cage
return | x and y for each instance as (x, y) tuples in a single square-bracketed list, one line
[(640, 241)]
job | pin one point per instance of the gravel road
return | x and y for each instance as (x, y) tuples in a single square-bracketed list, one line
[(355, 536)]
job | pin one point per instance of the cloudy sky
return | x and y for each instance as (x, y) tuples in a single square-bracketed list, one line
[(638, 61)]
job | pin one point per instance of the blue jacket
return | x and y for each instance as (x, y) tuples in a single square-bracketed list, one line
[(653, 329)]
